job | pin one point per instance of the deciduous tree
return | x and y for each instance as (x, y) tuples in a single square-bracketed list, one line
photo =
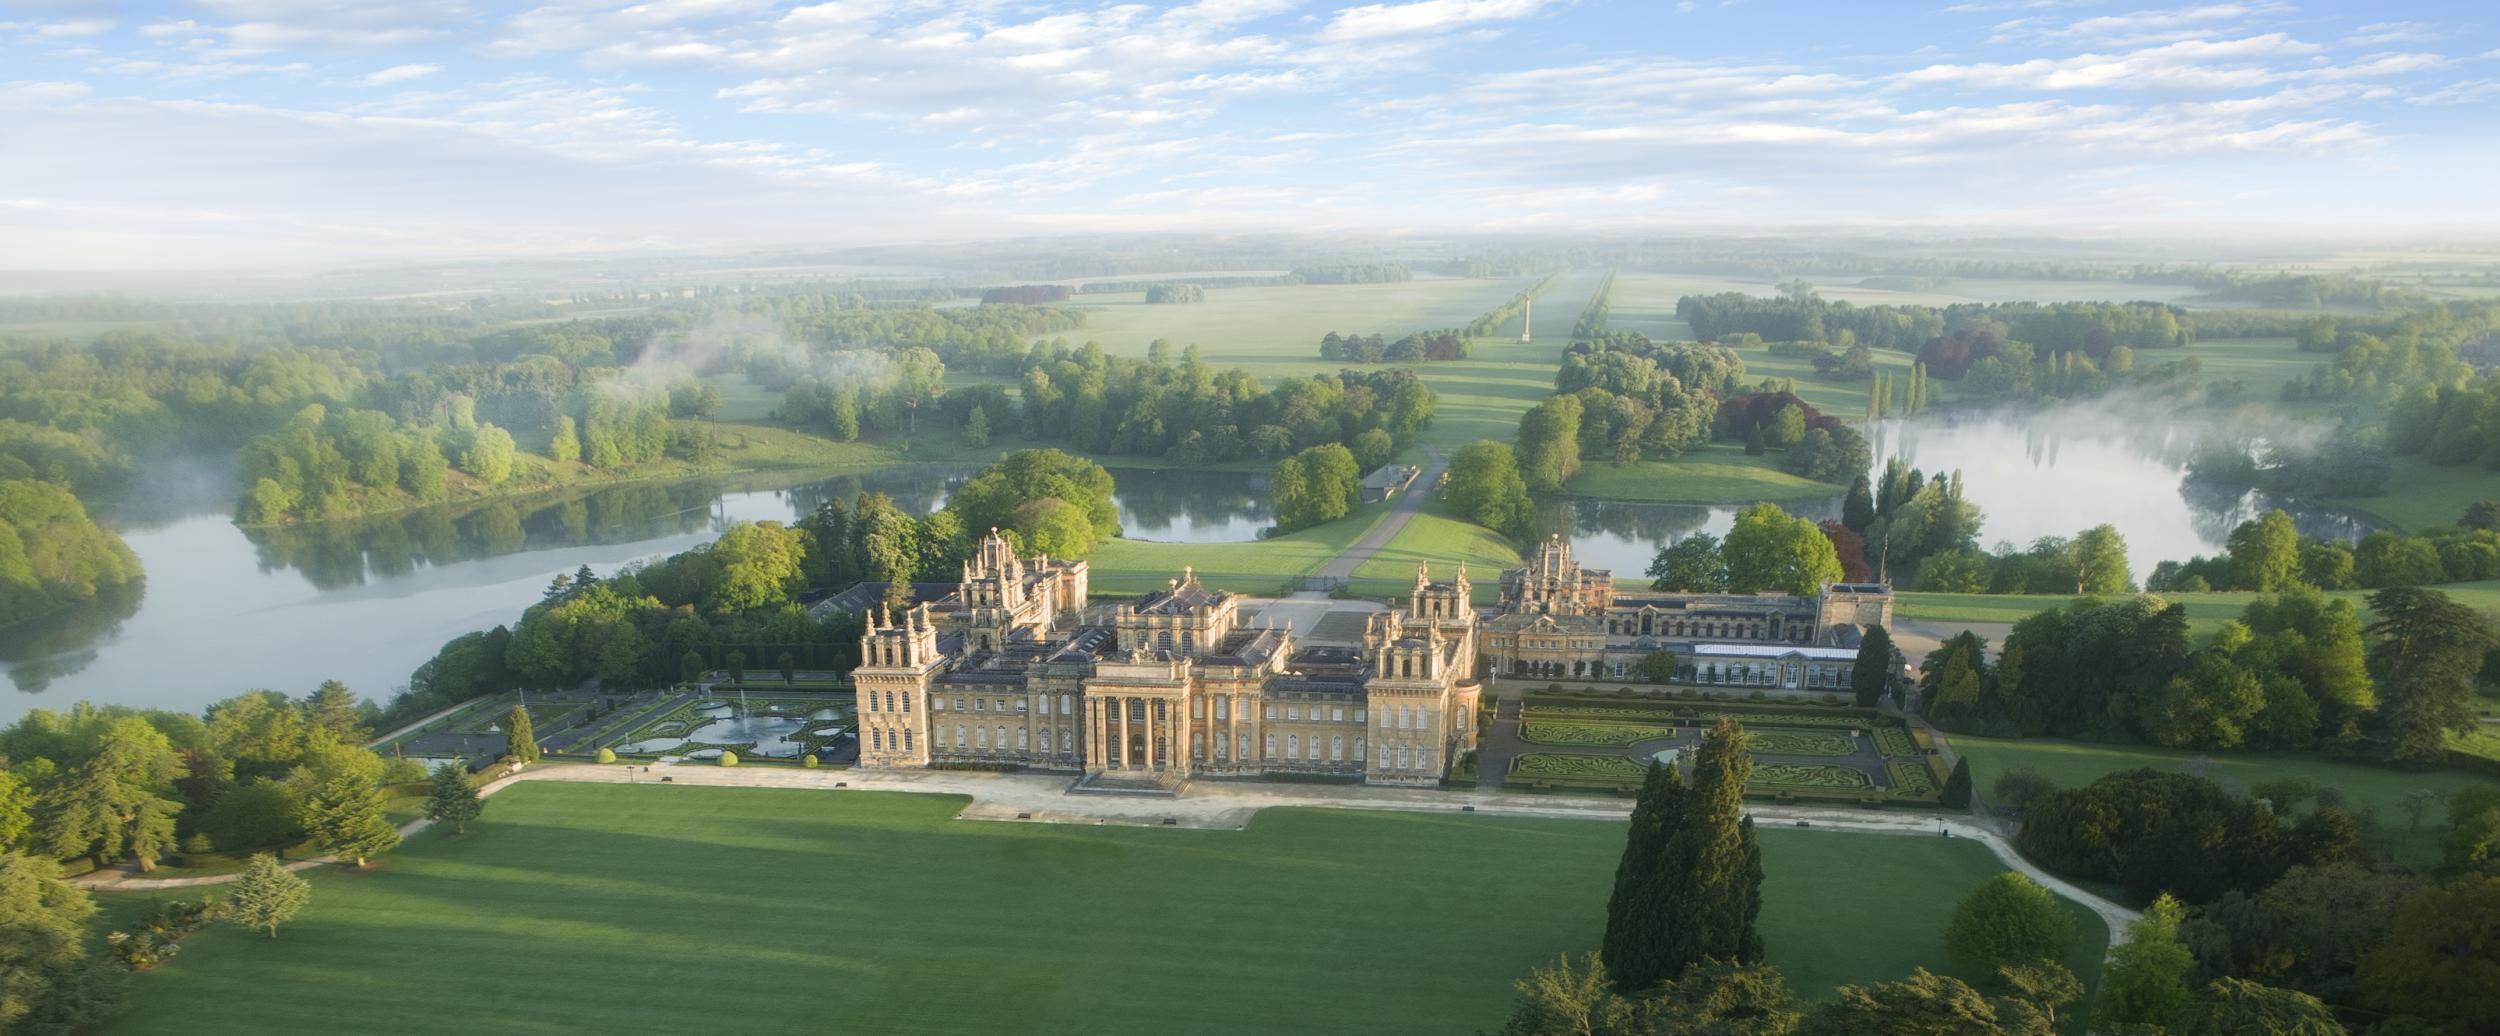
[(2008, 921)]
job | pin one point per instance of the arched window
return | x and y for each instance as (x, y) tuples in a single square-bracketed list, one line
[(1293, 746), (959, 735), (981, 738), (1067, 741), (1336, 749), (1002, 739), (1358, 749), (907, 704), (1067, 705), (876, 740), (1271, 746), (1022, 738), (907, 741)]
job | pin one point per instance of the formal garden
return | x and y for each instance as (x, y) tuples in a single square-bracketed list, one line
[(1827, 752), (685, 721), (751, 726)]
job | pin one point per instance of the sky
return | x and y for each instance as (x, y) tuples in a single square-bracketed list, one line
[(276, 133)]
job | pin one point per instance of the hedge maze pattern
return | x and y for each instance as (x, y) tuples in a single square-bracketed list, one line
[(1585, 769), (1813, 776), (1894, 741), (1912, 777), (1800, 742), (1593, 735)]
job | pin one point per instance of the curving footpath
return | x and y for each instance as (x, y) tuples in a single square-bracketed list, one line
[(1206, 804)]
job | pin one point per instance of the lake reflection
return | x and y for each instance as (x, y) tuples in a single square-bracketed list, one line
[(2060, 472), (365, 601), (1624, 536), (2052, 474)]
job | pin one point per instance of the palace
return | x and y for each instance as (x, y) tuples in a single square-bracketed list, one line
[(1014, 666), (1559, 621)]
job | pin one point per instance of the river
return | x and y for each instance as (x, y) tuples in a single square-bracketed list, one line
[(365, 601)]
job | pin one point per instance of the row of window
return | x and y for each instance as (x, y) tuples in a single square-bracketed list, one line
[(1402, 717), (1296, 748)]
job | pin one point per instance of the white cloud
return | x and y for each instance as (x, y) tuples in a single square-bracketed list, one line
[(203, 69), (1371, 21), (400, 74), (2185, 65), (69, 30), (2139, 28)]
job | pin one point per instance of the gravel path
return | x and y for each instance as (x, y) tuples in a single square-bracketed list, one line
[(1387, 528)]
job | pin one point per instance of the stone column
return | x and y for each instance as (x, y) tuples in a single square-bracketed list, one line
[(1093, 732)]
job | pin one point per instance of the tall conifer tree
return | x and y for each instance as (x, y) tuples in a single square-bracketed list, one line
[(1635, 915)]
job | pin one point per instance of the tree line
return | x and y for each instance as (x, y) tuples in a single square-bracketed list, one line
[(1414, 347), (52, 556), (2269, 553), (1592, 321), (1190, 413), (656, 624), (1800, 315), (2296, 670), (1513, 307), (2284, 888), (326, 464)]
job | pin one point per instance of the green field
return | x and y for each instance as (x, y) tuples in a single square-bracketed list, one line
[(578, 907), (2421, 495), (2206, 611), (1274, 333), (1254, 567), (2073, 764), (1436, 539), (1719, 473)]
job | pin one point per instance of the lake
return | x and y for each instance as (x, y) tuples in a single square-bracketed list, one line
[(366, 600), (2050, 474)]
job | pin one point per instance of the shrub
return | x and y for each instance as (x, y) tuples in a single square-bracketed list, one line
[(403, 770), (808, 761), (607, 755), (728, 758)]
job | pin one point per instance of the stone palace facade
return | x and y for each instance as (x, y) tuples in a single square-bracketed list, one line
[(1015, 666), (1559, 621)]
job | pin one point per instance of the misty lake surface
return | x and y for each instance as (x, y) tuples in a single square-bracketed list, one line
[(367, 600), (2051, 474)]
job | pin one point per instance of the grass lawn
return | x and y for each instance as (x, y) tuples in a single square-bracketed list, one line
[(1255, 567), (2421, 495), (2074, 764), (578, 907), (2206, 611), (1719, 473), (1433, 537)]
